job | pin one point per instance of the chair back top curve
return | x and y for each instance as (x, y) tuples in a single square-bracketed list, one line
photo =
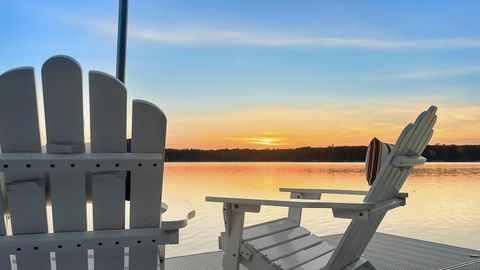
[(64, 169), (411, 143)]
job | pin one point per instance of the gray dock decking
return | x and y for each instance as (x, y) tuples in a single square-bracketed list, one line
[(385, 251)]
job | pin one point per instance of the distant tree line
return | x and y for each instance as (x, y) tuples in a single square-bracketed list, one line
[(439, 153)]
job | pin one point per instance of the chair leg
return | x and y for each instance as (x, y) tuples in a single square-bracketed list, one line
[(369, 266), (234, 221), (161, 257), (360, 263)]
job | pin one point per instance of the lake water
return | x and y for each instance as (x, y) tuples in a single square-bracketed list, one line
[(443, 204)]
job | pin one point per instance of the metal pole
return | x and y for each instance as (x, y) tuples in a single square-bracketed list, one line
[(122, 39)]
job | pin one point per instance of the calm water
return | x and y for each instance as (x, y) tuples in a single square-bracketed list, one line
[(443, 205)]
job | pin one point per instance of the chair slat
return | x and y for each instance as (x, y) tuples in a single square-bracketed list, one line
[(261, 230), (108, 118), (304, 256), (18, 112), (316, 264), (26, 199), (291, 247), (148, 135), (62, 92), (62, 98), (278, 238)]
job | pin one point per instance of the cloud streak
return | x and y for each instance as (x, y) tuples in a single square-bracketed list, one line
[(429, 73), (195, 35), (205, 36)]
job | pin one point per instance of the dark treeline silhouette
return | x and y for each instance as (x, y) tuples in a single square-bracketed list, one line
[(439, 153)]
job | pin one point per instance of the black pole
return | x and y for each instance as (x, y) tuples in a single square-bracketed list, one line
[(121, 55), (122, 39)]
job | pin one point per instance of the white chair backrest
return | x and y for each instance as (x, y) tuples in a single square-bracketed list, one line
[(26, 189), (411, 142)]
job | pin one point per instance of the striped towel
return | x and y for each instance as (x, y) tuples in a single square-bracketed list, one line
[(377, 152)]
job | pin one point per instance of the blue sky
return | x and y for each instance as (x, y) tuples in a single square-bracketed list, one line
[(200, 60)]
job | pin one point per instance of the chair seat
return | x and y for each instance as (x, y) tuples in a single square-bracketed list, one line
[(267, 228), (286, 245)]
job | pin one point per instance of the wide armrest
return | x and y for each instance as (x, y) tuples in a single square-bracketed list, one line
[(322, 191), (175, 214), (292, 203), (316, 191), (351, 210)]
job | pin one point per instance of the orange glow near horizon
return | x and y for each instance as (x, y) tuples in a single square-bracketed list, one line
[(290, 127), (320, 126)]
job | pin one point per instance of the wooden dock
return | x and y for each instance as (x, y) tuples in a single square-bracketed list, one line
[(385, 251)]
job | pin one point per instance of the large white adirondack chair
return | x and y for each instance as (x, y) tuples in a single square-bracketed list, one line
[(34, 179), (284, 244)]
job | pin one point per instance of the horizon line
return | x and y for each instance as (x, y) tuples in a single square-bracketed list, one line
[(301, 147)]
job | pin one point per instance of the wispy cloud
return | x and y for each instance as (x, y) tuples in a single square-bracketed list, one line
[(197, 35), (430, 73)]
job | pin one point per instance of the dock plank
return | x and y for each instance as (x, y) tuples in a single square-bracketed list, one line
[(385, 251)]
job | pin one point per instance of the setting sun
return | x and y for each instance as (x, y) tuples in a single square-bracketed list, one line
[(263, 141)]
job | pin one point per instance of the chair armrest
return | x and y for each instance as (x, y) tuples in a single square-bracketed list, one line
[(357, 210), (310, 193), (175, 214), (291, 203), (380, 207), (321, 191)]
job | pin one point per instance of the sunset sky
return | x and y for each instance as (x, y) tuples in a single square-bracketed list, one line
[(271, 73)]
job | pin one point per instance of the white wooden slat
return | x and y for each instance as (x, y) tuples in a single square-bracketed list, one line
[(18, 112), (27, 215), (278, 238), (267, 228), (62, 98), (316, 264), (108, 206), (291, 247), (26, 200), (19, 132), (63, 104), (148, 135), (108, 213), (68, 201), (303, 256), (108, 118), (108, 113)]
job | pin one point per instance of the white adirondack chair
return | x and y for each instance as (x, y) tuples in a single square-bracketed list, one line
[(284, 244), (65, 169)]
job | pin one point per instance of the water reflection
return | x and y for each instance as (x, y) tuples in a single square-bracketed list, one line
[(441, 207)]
